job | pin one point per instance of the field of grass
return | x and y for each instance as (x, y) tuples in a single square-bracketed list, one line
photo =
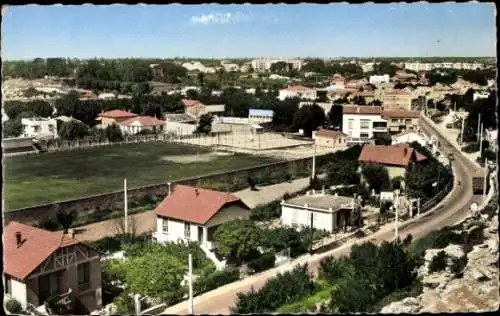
[(49, 177)]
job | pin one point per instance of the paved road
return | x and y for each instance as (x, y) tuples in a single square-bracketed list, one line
[(450, 210)]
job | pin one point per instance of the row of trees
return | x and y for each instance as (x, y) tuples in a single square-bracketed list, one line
[(320, 66)]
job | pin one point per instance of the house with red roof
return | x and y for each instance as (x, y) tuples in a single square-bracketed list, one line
[(397, 158), (193, 214), (330, 139), (138, 124), (50, 272), (111, 117)]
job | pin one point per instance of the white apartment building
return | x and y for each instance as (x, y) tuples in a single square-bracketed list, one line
[(39, 127), (380, 79), (299, 92), (362, 122), (264, 64), (367, 67), (419, 66)]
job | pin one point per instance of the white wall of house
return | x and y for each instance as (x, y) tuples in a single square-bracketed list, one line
[(361, 125), (33, 127), (134, 128), (18, 291), (176, 230), (379, 79), (180, 128), (301, 216), (396, 172), (409, 138)]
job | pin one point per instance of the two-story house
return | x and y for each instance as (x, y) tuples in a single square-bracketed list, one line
[(109, 118), (39, 127), (361, 123), (50, 272), (140, 123), (397, 99), (330, 139), (399, 121)]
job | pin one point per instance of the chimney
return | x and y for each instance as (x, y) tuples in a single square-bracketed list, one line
[(18, 239), (71, 232), (357, 109)]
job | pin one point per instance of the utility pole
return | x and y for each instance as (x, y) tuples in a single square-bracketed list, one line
[(418, 207), (190, 281), (478, 126), (462, 132), (137, 303), (314, 162), (485, 185), (397, 216), (312, 233), (481, 142), (125, 202)]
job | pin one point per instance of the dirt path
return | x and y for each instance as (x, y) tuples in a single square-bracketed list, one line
[(146, 222)]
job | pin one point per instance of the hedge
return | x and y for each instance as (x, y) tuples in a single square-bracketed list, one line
[(216, 279), (13, 306), (266, 261), (112, 244)]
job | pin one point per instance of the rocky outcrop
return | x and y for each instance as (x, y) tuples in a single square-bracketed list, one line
[(475, 288)]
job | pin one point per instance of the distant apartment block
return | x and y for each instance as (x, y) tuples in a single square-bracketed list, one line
[(264, 64), (39, 127), (430, 66)]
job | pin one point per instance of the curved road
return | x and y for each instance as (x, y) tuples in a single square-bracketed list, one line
[(452, 209)]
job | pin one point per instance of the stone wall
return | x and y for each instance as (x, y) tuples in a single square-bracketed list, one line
[(107, 201)]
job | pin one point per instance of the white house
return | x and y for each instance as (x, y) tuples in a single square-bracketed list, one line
[(297, 91), (360, 123), (192, 214), (326, 106), (107, 96), (180, 124), (260, 116), (480, 95), (410, 137), (327, 212), (380, 79), (39, 127), (138, 124)]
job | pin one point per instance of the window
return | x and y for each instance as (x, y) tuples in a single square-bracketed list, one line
[(363, 135), (54, 284), (51, 128), (36, 128), (408, 121), (394, 120), (187, 230), (84, 276), (365, 124), (350, 123), (165, 226)]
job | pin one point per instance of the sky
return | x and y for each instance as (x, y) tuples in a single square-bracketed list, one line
[(232, 31)]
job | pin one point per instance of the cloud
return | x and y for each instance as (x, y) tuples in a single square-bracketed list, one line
[(220, 18)]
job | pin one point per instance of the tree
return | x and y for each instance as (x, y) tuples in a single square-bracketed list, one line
[(309, 118), (65, 219), (237, 240), (114, 133), (205, 124), (284, 111), (201, 78), (377, 177), (382, 139), (72, 130), (192, 94), (334, 117), (156, 274), (343, 172), (385, 67), (13, 128)]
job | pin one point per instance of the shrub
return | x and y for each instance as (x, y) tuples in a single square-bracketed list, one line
[(216, 279), (438, 263), (49, 224), (112, 244), (13, 306), (125, 304), (435, 240), (458, 265), (265, 262), (266, 211)]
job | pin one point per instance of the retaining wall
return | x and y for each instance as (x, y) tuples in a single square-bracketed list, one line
[(107, 201)]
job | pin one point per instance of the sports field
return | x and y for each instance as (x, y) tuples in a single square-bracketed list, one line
[(49, 177)]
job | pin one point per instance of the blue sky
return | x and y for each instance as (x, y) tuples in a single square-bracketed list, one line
[(218, 31)]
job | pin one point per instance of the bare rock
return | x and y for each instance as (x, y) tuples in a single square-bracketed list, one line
[(410, 305), (454, 251)]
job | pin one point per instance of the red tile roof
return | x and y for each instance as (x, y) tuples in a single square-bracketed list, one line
[(366, 110), (194, 205), (144, 121), (189, 103), (401, 114), (329, 133), (117, 114), (37, 245), (393, 155)]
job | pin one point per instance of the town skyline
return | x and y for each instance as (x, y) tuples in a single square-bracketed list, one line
[(211, 31)]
